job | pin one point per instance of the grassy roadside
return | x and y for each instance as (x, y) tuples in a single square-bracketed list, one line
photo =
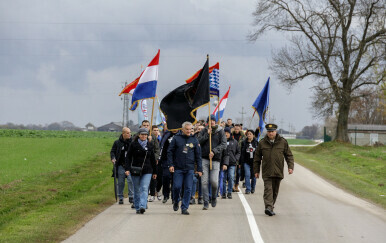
[(51, 185), (49, 208), (359, 170), (300, 142)]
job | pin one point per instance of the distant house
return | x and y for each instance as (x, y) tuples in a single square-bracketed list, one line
[(361, 134), (111, 127), (90, 127), (286, 134)]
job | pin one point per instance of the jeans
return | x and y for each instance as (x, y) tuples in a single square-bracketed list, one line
[(121, 183), (182, 177), (194, 186), (250, 182), (211, 175), (141, 188), (229, 175)]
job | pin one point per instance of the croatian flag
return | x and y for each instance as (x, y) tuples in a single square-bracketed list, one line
[(142, 113), (147, 85), (219, 111)]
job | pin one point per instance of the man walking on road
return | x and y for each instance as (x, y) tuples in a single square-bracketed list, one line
[(118, 156), (270, 153), (219, 143), (183, 153)]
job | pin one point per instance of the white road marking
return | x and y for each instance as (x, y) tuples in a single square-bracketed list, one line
[(251, 219)]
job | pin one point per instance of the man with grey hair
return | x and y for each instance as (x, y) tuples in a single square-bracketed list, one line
[(118, 156), (183, 153)]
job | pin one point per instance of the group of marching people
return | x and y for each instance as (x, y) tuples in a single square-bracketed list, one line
[(187, 164)]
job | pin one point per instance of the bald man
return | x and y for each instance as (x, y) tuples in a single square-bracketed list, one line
[(118, 156)]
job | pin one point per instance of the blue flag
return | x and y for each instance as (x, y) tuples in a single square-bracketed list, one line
[(261, 107)]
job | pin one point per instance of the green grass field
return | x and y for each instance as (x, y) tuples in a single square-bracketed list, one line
[(300, 142), (359, 170), (50, 186)]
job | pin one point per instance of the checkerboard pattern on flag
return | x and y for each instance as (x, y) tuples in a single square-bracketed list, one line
[(214, 80)]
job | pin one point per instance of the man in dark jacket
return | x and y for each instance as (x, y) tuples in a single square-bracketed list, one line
[(239, 136), (270, 154), (167, 178), (219, 143), (183, 153), (118, 155), (232, 156)]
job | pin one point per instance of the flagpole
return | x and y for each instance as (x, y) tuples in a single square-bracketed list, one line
[(210, 134), (218, 103), (152, 109)]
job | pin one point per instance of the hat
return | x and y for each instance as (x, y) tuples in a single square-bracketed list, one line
[(143, 131), (212, 117), (271, 127), (227, 129)]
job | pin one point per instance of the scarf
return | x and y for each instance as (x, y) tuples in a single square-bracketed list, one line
[(142, 143)]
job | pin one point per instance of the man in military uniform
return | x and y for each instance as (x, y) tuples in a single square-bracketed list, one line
[(270, 153)]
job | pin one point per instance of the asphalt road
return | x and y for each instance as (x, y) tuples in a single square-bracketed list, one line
[(308, 209)]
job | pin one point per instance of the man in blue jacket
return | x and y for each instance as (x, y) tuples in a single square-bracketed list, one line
[(183, 153)]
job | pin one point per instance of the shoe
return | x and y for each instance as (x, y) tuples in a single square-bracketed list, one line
[(237, 188), (233, 189), (247, 192), (159, 198), (131, 200), (214, 203), (175, 206), (120, 201), (253, 191), (185, 212), (200, 201), (137, 212), (244, 185), (206, 206), (151, 199), (229, 195), (142, 210), (223, 196), (165, 200), (192, 201), (210, 200), (269, 212), (132, 205)]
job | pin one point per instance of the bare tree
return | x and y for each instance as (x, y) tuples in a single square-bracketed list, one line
[(337, 43)]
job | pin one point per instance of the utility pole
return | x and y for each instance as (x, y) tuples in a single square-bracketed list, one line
[(242, 115), (125, 109)]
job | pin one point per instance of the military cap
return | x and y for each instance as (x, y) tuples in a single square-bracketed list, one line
[(271, 127)]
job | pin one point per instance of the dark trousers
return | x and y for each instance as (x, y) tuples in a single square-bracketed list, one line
[(159, 178), (182, 179), (167, 180), (239, 174), (271, 190)]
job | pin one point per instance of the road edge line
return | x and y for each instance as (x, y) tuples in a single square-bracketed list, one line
[(251, 219)]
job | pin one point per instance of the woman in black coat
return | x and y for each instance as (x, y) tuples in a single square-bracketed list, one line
[(141, 164)]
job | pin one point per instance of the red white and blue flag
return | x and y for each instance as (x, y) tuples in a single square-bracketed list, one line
[(219, 110), (147, 85)]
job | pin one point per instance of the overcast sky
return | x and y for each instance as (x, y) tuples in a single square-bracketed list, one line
[(67, 60)]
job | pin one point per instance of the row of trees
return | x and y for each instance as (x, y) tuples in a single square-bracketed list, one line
[(56, 126)]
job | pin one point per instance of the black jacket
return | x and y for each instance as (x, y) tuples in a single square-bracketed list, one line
[(138, 156), (232, 153), (164, 144), (116, 151), (219, 143), (184, 161), (245, 151)]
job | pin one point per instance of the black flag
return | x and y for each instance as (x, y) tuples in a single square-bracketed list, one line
[(181, 104)]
